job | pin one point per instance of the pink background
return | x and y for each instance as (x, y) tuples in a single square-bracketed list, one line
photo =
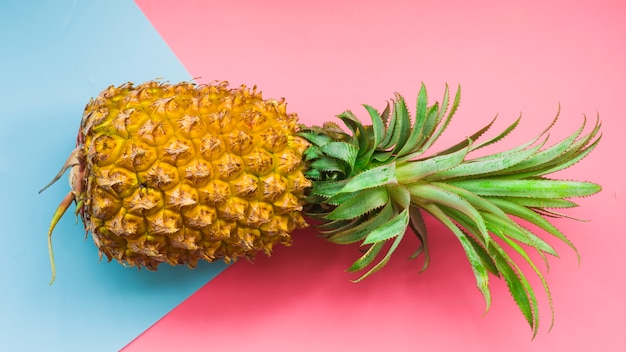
[(328, 56)]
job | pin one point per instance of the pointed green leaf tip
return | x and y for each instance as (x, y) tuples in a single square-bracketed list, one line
[(373, 182)]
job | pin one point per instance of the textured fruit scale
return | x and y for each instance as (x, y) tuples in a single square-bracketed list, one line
[(179, 173)]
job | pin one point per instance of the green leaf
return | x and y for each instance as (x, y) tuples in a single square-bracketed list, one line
[(389, 230), (463, 144), (358, 232), (569, 162), (504, 227), (421, 107), (350, 121), (403, 125), (399, 195), (313, 174), (437, 129), (367, 258), (340, 198), (543, 188), (478, 267), (538, 202), (444, 104), (496, 219), (397, 129), (485, 166), (337, 226), (576, 154), (412, 171), (328, 164), (382, 156), (378, 125), (317, 139), (520, 289), (475, 239), (430, 124), (359, 132), (560, 156), (375, 177), (374, 135), (422, 194), (486, 259), (554, 214), (500, 136), (418, 227), (547, 155), (416, 135), (385, 259), (390, 137), (541, 277), (363, 202), (511, 151), (385, 114), (417, 224), (328, 188), (534, 218), (328, 226), (312, 152), (343, 151), (414, 145)]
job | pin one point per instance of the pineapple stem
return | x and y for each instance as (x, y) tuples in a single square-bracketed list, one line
[(58, 214), (72, 160)]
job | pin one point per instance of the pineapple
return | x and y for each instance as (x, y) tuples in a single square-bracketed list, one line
[(179, 173)]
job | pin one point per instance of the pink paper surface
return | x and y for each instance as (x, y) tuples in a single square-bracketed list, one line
[(325, 57)]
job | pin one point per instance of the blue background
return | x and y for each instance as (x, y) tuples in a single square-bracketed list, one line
[(55, 55)]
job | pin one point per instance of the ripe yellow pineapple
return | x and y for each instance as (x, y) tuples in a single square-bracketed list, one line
[(181, 172)]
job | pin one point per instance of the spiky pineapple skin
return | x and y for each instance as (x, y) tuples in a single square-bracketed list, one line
[(184, 172)]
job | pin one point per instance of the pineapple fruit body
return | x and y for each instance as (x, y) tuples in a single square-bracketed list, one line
[(179, 173)]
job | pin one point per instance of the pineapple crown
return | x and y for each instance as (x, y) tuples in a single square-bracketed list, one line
[(373, 182)]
